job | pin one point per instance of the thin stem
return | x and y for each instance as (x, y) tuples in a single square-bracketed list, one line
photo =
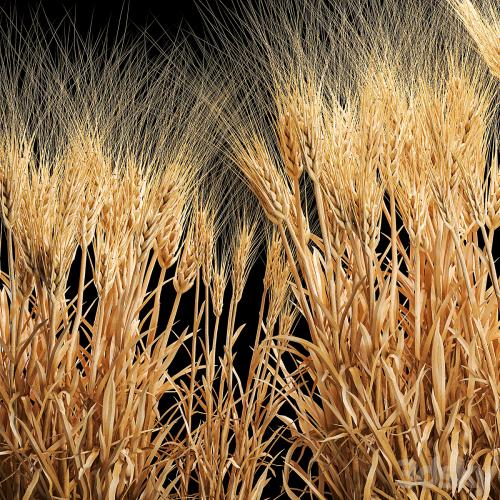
[(394, 264), (298, 208), (173, 314), (81, 288), (475, 307), (193, 348), (491, 263), (328, 251), (13, 290), (418, 302), (156, 308), (302, 298)]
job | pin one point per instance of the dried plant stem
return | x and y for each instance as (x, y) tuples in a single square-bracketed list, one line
[(298, 209), (229, 343), (196, 315), (156, 308), (418, 300), (207, 319), (328, 252), (298, 283), (475, 308), (13, 284), (81, 286), (146, 277), (171, 318), (13, 309), (261, 318), (491, 261), (213, 351), (394, 264)]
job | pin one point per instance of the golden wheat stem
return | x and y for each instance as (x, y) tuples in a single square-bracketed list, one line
[(13, 307), (213, 351), (20, 324), (266, 365), (394, 267), (261, 318), (475, 306), (491, 263), (173, 314), (207, 319), (146, 277), (52, 334), (255, 361), (418, 301), (302, 298), (305, 261), (298, 208), (211, 377), (207, 353), (13, 287), (97, 347), (328, 254), (196, 311), (339, 273), (196, 316), (189, 414), (133, 286), (224, 374), (229, 342), (156, 308), (81, 287)]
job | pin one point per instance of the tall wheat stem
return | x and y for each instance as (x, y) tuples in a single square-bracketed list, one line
[(156, 308), (13, 307), (394, 267), (475, 308), (491, 262), (193, 347), (81, 288), (302, 298), (328, 255), (418, 301)]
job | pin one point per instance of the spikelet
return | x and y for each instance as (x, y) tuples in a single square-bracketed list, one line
[(412, 189), (266, 181), (14, 161), (86, 156), (47, 226), (273, 256), (114, 233), (310, 125), (242, 256), (171, 220), (493, 198), (219, 283), (187, 265), (287, 320), (289, 139), (279, 290), (362, 190), (338, 149), (24, 276), (107, 261), (204, 240), (394, 115)]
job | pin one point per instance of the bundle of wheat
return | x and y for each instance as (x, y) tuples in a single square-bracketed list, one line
[(368, 134)]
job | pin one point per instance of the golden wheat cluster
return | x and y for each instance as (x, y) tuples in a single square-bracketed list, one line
[(350, 149)]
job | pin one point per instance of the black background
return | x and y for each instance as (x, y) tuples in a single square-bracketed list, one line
[(91, 15)]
